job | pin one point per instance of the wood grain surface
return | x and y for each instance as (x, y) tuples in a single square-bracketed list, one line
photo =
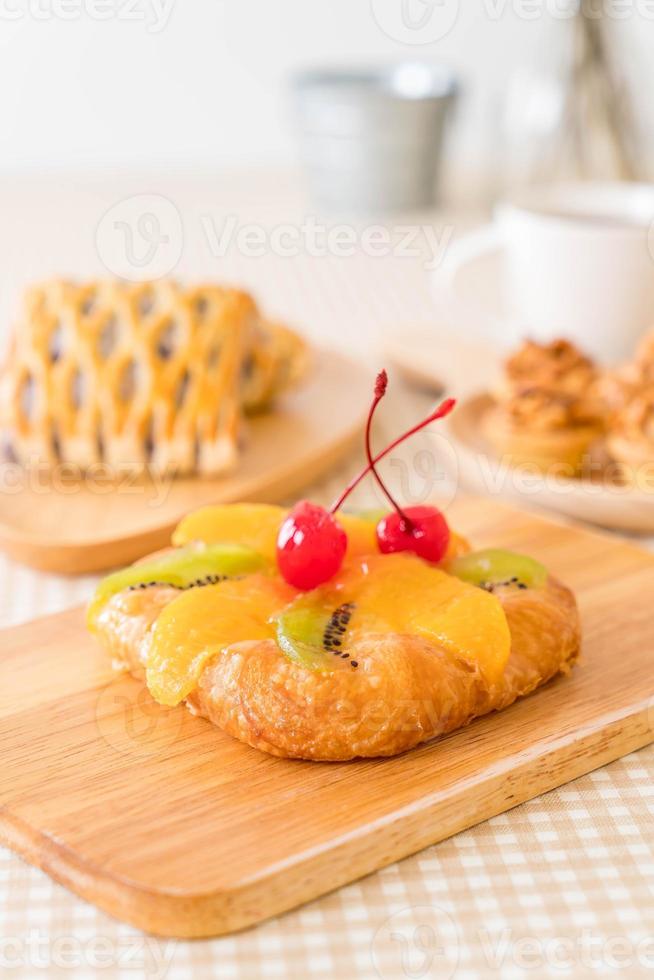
[(68, 525), (165, 822)]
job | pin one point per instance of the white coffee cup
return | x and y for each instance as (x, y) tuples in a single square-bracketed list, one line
[(575, 260)]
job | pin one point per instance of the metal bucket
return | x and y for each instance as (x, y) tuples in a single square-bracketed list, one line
[(371, 140)]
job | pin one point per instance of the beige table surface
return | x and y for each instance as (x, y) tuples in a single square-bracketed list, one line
[(562, 886)]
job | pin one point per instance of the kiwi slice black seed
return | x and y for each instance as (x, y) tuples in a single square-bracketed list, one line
[(180, 568), (312, 631)]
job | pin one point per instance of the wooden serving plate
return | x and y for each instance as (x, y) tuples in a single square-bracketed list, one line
[(162, 820), (602, 502), (76, 526)]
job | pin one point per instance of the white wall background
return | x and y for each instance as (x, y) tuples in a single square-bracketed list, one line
[(172, 84)]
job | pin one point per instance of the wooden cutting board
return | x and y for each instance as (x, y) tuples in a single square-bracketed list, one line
[(163, 821), (58, 523)]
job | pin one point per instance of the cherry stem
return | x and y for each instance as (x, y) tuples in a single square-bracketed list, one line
[(380, 390), (443, 409)]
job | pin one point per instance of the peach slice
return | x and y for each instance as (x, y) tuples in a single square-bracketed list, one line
[(199, 624), (256, 526), (250, 525)]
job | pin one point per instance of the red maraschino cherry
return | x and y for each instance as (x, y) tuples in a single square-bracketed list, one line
[(422, 530), (311, 544)]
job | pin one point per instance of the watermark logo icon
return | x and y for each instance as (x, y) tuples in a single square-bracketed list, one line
[(131, 723), (416, 942), (415, 21), (140, 238), (425, 472)]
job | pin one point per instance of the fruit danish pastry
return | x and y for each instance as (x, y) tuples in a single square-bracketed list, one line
[(322, 635), (139, 376)]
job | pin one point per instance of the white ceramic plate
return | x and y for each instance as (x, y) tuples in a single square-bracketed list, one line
[(619, 508)]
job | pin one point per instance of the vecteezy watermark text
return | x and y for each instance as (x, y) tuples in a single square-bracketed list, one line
[(423, 941), (141, 238), (427, 21), (587, 949), (153, 14), (317, 239), (39, 951), (99, 479), (565, 9)]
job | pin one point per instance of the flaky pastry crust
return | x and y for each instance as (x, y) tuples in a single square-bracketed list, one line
[(548, 412), (558, 366), (406, 690), (644, 359), (631, 438), (554, 449)]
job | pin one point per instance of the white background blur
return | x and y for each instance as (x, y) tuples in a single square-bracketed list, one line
[(144, 85), (103, 101)]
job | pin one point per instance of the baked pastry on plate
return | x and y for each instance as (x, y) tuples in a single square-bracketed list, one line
[(548, 413), (320, 635), (557, 365), (546, 429), (630, 439), (619, 385), (278, 360), (139, 376), (644, 358)]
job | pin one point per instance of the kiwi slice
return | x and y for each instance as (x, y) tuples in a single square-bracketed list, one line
[(181, 568), (311, 632), (495, 566)]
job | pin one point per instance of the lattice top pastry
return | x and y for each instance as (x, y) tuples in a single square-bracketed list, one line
[(134, 376), (277, 360)]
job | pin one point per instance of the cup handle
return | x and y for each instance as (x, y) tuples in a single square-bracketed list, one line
[(483, 240), (466, 310)]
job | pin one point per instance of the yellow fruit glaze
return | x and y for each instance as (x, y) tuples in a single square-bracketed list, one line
[(402, 594), (392, 593)]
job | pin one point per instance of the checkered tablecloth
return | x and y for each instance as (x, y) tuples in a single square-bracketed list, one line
[(562, 886)]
